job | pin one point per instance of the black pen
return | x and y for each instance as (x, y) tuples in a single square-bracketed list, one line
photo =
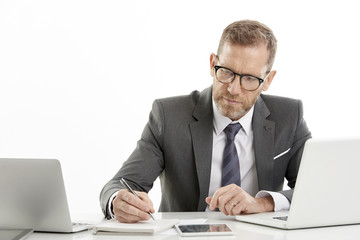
[(125, 184)]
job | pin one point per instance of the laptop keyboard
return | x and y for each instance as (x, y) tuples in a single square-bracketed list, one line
[(76, 226), (282, 218)]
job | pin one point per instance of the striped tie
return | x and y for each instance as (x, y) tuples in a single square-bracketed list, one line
[(231, 168)]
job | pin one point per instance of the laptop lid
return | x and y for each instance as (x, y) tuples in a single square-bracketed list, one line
[(33, 195), (326, 188)]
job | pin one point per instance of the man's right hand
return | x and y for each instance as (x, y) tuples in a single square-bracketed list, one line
[(128, 208)]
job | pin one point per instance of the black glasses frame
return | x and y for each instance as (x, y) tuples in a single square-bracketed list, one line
[(240, 75)]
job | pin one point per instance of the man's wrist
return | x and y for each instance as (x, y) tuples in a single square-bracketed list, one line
[(281, 203), (267, 204)]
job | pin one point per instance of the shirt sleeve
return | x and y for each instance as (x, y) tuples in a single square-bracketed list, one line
[(280, 201), (110, 210)]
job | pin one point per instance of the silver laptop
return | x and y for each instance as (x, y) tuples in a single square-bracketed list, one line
[(32, 196), (15, 234), (327, 188)]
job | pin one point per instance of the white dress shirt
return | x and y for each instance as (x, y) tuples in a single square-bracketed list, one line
[(245, 150)]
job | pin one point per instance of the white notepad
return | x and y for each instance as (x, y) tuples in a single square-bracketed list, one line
[(147, 227)]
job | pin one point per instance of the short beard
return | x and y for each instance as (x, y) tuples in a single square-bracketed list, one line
[(230, 112)]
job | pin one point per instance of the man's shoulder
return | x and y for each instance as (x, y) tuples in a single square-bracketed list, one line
[(188, 100), (276, 102), (192, 97), (278, 99), (278, 105), (280, 108)]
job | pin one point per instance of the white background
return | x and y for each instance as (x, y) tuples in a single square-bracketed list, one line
[(77, 78)]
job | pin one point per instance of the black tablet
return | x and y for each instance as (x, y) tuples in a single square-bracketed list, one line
[(204, 230)]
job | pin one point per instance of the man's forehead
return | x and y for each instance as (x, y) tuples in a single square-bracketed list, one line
[(251, 59)]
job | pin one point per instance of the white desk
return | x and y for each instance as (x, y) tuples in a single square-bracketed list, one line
[(243, 231)]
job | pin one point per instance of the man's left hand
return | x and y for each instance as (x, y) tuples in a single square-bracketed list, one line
[(233, 200)]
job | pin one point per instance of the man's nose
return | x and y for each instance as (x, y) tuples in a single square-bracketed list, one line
[(234, 87)]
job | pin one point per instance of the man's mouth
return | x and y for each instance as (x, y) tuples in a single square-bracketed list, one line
[(230, 101)]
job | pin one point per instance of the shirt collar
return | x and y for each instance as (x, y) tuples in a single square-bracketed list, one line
[(220, 122)]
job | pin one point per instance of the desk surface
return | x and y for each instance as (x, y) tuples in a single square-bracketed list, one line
[(243, 230)]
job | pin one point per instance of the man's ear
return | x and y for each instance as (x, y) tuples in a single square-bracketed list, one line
[(268, 80), (212, 64)]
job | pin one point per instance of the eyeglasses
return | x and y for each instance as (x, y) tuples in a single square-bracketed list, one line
[(248, 82)]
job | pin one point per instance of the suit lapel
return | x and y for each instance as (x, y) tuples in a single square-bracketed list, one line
[(264, 135), (202, 135)]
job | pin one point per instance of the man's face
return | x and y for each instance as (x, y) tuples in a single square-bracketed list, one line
[(231, 99)]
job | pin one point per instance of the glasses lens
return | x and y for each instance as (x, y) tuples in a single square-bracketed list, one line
[(224, 75), (250, 82)]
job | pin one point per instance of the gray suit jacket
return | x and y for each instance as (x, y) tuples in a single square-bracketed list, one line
[(176, 145)]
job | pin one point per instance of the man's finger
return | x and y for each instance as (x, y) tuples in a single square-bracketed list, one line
[(214, 202), (145, 197), (128, 215), (131, 199)]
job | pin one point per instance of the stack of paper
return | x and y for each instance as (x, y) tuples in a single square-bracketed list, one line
[(149, 227)]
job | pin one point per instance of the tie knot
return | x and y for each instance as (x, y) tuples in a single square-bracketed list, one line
[(231, 130)]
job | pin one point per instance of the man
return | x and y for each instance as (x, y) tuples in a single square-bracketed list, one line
[(187, 141)]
